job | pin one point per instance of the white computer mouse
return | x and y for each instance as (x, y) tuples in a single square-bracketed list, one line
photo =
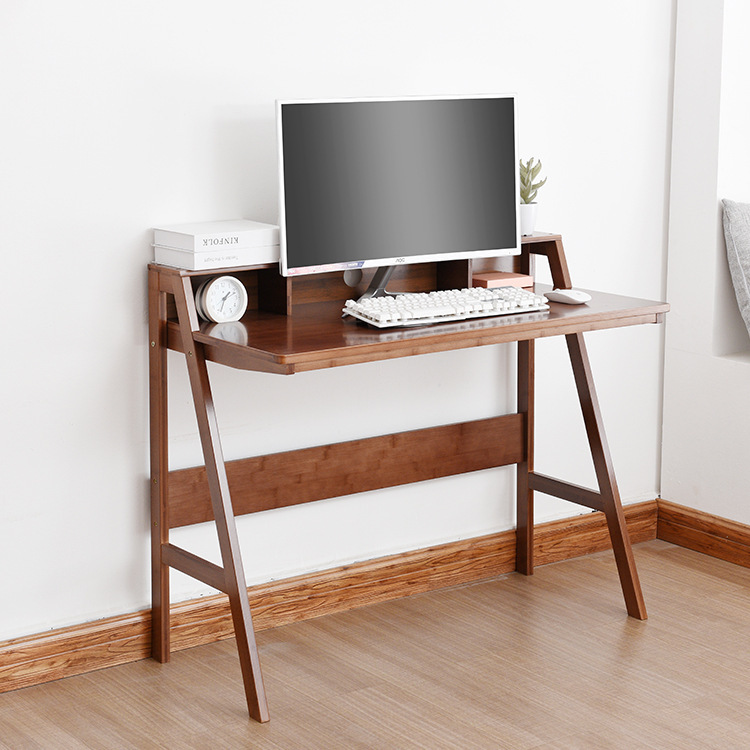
[(568, 296)]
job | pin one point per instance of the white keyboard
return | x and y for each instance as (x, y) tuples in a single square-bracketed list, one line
[(414, 309)]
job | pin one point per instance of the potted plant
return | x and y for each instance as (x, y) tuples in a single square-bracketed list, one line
[(529, 172)]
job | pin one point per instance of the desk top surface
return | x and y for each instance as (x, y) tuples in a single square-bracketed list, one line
[(316, 337)]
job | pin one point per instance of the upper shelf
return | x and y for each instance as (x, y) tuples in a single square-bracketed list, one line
[(296, 325)]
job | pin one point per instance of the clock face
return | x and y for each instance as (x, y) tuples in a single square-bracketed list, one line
[(222, 300)]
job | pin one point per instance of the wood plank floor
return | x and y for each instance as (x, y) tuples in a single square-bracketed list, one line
[(548, 662)]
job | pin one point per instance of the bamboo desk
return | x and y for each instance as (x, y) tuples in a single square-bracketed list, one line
[(295, 325)]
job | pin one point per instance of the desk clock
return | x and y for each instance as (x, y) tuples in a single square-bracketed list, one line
[(221, 299)]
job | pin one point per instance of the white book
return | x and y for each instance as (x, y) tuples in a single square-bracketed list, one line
[(221, 257), (217, 235)]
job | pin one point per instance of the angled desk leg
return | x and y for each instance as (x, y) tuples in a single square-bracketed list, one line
[(605, 474), (231, 577)]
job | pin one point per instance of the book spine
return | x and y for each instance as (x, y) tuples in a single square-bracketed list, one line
[(197, 243)]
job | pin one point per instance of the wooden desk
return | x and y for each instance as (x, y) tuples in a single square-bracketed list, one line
[(295, 326)]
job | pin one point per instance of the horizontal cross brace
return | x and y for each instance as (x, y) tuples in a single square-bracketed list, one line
[(301, 476), (194, 566), (566, 491)]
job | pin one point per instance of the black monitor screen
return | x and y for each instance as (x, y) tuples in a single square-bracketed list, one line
[(379, 182)]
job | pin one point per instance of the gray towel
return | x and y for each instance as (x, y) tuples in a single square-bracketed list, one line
[(737, 235)]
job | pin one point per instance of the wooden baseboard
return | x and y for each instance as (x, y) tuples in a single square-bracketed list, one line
[(117, 640), (83, 648), (703, 532)]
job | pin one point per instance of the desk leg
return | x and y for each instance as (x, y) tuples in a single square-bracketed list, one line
[(605, 475), (160, 646), (234, 575), (524, 494)]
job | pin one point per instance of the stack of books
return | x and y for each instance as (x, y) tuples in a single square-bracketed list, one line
[(493, 279), (216, 244)]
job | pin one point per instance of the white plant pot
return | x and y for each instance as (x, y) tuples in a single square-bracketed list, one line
[(527, 213)]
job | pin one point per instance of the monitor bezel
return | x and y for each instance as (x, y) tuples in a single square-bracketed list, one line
[(385, 260)]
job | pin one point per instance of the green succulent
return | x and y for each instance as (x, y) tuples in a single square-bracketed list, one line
[(529, 172)]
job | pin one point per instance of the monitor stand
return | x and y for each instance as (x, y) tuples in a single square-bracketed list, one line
[(378, 283)]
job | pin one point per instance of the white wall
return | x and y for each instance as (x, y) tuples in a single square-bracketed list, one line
[(118, 117), (707, 359)]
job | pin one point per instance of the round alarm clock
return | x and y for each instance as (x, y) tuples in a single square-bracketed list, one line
[(222, 299)]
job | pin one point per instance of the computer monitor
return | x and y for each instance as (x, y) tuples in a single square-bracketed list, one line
[(385, 182)]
